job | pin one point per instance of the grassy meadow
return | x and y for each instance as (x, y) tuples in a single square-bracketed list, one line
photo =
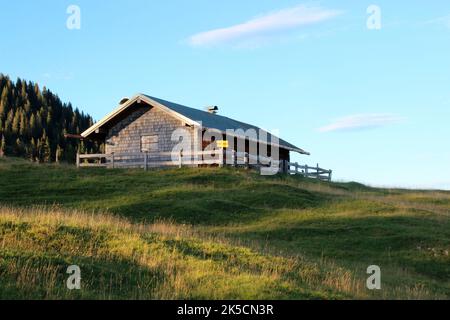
[(215, 233)]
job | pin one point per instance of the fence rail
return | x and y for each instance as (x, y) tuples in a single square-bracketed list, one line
[(309, 172), (210, 157)]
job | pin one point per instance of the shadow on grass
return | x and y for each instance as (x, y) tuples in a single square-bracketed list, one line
[(194, 196), (43, 276), (403, 241), (194, 205)]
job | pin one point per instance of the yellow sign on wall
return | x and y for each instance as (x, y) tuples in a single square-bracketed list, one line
[(222, 144)]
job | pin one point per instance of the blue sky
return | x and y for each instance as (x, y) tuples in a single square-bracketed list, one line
[(373, 105)]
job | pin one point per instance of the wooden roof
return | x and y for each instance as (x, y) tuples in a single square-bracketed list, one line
[(190, 116)]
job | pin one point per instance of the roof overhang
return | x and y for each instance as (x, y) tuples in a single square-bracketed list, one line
[(298, 150), (136, 99), (139, 98)]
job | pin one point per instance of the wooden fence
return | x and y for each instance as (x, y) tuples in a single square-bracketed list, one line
[(179, 159), (309, 172), (149, 160), (166, 159)]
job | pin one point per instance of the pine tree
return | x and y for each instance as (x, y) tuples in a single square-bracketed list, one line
[(4, 103), (82, 148), (47, 152), (9, 121), (3, 146), (33, 150), (69, 152), (39, 150), (19, 147), (49, 118), (2, 110), (16, 123), (23, 130), (38, 124), (33, 123), (27, 107), (59, 153)]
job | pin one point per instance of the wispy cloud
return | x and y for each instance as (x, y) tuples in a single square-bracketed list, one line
[(263, 26), (361, 121), (440, 21)]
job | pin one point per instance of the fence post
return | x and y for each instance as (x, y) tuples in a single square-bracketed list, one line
[(329, 175), (234, 155), (318, 176), (246, 160), (306, 171), (145, 160), (221, 157), (180, 159), (296, 168), (78, 160)]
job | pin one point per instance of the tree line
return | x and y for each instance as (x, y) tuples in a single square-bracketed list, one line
[(33, 123)]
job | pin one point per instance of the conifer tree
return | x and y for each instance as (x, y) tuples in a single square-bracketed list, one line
[(2, 146), (16, 123), (33, 150), (33, 123), (4, 103), (47, 152), (58, 154), (19, 147), (23, 128), (39, 150)]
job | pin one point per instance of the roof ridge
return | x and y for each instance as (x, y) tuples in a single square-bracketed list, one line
[(201, 110)]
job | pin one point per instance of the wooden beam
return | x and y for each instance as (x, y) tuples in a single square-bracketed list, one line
[(101, 131), (73, 136)]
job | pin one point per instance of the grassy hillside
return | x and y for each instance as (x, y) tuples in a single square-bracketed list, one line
[(215, 233)]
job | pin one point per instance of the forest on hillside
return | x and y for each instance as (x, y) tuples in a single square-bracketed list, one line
[(33, 123)]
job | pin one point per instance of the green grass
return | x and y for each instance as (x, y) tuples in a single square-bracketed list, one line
[(215, 233)]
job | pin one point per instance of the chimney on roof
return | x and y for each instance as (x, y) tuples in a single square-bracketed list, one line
[(123, 100), (212, 109)]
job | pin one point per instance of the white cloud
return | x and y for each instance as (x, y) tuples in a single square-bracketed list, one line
[(265, 25), (361, 121), (440, 21)]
